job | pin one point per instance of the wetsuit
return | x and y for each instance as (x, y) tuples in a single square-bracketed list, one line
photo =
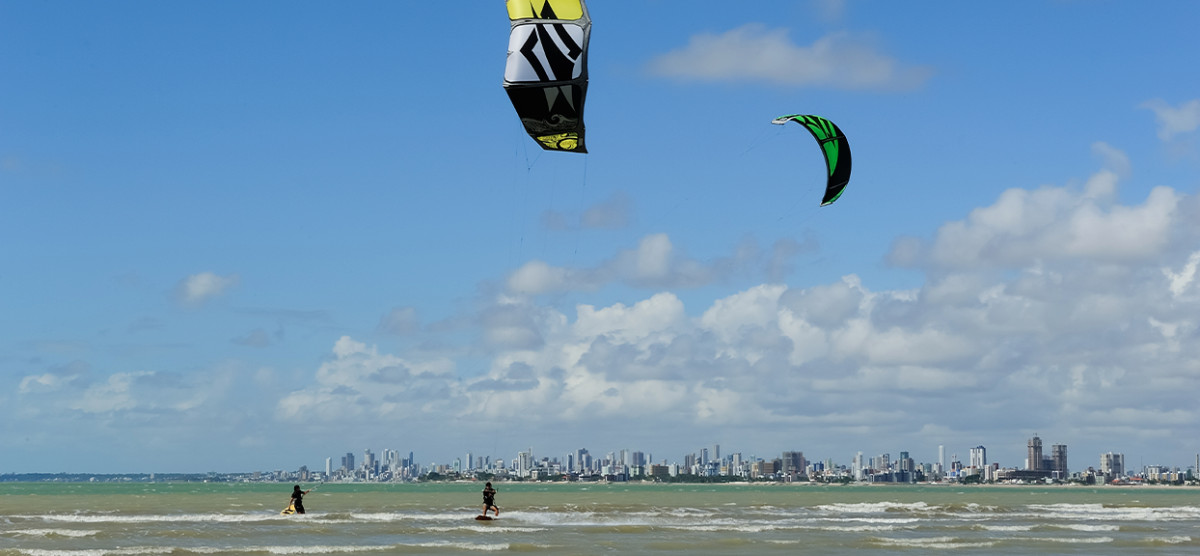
[(298, 501), (489, 499)]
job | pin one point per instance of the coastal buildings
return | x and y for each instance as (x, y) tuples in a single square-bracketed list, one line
[(713, 464), (1112, 465)]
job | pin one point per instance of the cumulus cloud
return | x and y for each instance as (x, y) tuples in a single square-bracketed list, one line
[(1063, 310), (1181, 282), (657, 263), (1174, 120), (1079, 333), (1052, 223), (199, 288), (361, 383), (754, 52)]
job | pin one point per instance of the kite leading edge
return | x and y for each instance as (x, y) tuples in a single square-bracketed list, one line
[(833, 145)]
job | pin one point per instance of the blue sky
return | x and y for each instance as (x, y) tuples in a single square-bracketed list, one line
[(252, 236)]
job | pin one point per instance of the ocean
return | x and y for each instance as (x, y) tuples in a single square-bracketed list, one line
[(111, 519)]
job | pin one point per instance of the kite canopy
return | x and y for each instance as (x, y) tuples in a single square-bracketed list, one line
[(833, 144), (546, 72)]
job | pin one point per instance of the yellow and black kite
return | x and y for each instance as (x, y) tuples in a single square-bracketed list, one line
[(546, 73)]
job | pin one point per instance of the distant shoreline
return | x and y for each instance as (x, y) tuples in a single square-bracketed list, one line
[(237, 478), (161, 478)]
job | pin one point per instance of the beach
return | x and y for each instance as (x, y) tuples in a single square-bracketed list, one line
[(101, 519)]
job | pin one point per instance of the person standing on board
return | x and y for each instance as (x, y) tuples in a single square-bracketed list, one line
[(489, 500), (298, 499)]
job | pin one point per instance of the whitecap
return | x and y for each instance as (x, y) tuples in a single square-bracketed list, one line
[(946, 543), (53, 532)]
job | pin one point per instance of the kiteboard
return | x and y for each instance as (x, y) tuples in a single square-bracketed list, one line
[(482, 518), (291, 509)]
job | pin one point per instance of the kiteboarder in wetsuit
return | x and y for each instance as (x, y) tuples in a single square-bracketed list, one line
[(489, 500), (298, 499)]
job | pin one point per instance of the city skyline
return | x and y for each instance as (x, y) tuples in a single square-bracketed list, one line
[(235, 235), (1053, 465)]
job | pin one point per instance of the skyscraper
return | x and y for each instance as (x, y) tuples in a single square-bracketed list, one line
[(1112, 465), (1058, 459), (582, 460), (1034, 462), (793, 463), (979, 457), (368, 460)]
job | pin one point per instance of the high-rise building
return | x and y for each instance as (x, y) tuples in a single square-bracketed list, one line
[(941, 457), (793, 463), (368, 460), (1034, 461), (524, 463), (580, 464), (979, 457), (1112, 465), (1058, 459)]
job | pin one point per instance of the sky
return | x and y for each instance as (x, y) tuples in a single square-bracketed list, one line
[(250, 236)]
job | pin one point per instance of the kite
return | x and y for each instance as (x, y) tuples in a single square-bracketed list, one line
[(545, 75), (833, 144)]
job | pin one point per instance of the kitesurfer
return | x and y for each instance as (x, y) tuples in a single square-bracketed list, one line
[(489, 500), (297, 501)]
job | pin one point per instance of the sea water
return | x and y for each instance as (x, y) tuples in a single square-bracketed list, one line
[(103, 519)]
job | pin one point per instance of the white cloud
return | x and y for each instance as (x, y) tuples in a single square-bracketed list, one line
[(1181, 282), (199, 288), (755, 53), (58, 378), (659, 313), (1052, 223), (112, 395), (43, 382), (1077, 322), (1174, 120), (655, 263), (1037, 313), (360, 383)]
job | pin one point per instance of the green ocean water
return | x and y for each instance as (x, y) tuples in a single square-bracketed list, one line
[(99, 519)]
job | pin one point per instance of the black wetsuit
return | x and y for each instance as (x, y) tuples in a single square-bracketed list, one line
[(298, 501), (489, 499)]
